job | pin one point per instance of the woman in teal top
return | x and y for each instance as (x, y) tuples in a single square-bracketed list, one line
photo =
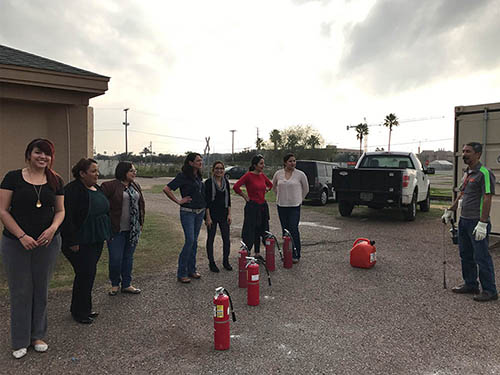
[(86, 226)]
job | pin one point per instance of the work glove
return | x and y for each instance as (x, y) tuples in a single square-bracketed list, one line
[(480, 231), (447, 216)]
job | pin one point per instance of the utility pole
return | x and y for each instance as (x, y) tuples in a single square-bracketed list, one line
[(151, 151), (232, 147), (206, 153), (126, 124)]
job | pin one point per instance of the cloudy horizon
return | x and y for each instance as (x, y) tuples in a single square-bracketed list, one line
[(193, 69)]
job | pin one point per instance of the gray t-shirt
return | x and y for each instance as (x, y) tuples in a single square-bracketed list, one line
[(125, 218), (475, 184)]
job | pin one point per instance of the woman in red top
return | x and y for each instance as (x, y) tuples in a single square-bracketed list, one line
[(256, 219)]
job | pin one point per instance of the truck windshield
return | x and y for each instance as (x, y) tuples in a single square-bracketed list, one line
[(387, 161)]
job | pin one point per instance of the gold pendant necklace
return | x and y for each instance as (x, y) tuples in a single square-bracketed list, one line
[(38, 202)]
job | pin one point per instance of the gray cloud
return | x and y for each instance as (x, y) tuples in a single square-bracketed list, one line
[(87, 35), (404, 44)]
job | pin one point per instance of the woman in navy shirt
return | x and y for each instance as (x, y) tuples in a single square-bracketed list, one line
[(192, 210)]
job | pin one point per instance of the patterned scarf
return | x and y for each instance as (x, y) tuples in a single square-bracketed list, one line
[(215, 188), (135, 224)]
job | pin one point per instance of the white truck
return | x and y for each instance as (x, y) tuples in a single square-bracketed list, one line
[(479, 123), (384, 179)]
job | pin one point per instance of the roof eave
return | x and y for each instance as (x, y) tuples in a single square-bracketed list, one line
[(94, 85)]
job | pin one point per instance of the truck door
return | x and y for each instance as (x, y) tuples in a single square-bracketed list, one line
[(421, 180)]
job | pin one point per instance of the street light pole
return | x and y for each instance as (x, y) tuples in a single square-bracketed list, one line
[(126, 124), (232, 147)]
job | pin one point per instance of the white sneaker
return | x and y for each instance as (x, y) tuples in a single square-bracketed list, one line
[(19, 353), (40, 348)]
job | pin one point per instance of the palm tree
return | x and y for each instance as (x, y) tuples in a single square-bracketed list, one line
[(275, 138), (361, 131), (313, 141), (390, 121)]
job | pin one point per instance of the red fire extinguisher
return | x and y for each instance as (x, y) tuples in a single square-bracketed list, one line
[(253, 276), (222, 300), (271, 241), (242, 265), (363, 253), (287, 249)]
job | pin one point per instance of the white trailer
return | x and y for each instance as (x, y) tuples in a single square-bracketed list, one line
[(479, 123)]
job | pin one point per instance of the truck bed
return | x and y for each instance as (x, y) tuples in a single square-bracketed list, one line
[(369, 186)]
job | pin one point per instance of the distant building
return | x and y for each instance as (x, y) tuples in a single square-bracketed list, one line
[(441, 165), (428, 156), (42, 98)]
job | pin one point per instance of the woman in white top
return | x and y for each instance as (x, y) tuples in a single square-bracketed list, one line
[(291, 188)]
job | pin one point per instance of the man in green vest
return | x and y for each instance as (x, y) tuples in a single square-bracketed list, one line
[(476, 192)]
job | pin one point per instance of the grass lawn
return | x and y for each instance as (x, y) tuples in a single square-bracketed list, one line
[(159, 245), (441, 192), (270, 195)]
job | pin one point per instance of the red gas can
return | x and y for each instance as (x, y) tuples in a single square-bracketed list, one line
[(363, 253)]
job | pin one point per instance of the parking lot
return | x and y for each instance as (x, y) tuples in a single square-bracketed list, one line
[(320, 317)]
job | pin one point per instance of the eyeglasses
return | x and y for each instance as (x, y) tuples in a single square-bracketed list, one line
[(133, 170), (219, 169)]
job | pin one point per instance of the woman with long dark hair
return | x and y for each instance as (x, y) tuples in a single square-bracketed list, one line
[(192, 210), (127, 211), (218, 199), (256, 219), (84, 231), (31, 210), (291, 187)]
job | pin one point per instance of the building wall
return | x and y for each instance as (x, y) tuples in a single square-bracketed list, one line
[(22, 121)]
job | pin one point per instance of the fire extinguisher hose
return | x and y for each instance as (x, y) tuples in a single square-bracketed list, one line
[(261, 260), (287, 232), (231, 304), (269, 234)]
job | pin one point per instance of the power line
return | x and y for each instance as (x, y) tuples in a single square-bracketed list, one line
[(148, 133)]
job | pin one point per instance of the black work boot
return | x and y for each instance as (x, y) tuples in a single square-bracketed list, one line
[(486, 296), (227, 266), (465, 289), (213, 267)]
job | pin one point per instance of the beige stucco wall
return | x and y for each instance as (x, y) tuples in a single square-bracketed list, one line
[(38, 103), (22, 121)]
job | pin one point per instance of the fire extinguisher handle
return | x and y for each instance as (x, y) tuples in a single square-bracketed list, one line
[(359, 240)]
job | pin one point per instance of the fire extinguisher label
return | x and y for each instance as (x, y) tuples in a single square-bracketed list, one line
[(255, 277), (373, 257), (268, 242), (220, 311)]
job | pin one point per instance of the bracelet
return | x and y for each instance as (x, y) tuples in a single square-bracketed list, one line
[(24, 234)]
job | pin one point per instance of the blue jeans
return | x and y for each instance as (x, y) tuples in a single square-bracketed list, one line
[(121, 259), (191, 224), (289, 219), (474, 255)]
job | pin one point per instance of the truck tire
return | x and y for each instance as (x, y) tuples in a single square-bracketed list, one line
[(345, 208), (323, 197), (425, 206), (410, 211)]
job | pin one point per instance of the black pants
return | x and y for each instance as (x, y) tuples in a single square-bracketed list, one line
[(84, 262), (255, 224), (224, 231)]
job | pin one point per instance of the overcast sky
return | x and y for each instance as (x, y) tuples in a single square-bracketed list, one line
[(192, 69)]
